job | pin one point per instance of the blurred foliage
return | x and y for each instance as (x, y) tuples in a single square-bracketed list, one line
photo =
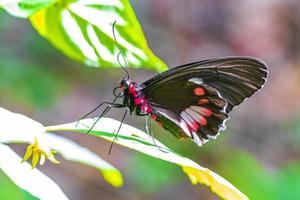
[(294, 129), (152, 175), (25, 76), (9, 189), (257, 181), (29, 84), (245, 171), (288, 182)]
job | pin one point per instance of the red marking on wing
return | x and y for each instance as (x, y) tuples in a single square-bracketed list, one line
[(203, 101), (189, 121), (206, 112), (195, 126), (203, 111), (199, 91), (203, 121)]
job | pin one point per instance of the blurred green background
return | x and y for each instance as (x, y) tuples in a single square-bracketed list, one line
[(259, 151)]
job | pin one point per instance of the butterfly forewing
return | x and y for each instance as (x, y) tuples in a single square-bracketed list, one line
[(193, 100)]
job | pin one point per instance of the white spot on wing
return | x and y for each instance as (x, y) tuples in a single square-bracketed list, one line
[(183, 125), (196, 139), (198, 81), (196, 116), (189, 120)]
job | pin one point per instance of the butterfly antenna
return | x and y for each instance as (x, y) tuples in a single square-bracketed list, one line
[(123, 118), (121, 52), (106, 110)]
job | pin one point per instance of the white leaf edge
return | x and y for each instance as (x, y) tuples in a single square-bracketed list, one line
[(31, 180)]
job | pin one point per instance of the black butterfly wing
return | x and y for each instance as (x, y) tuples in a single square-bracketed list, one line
[(199, 117), (193, 100)]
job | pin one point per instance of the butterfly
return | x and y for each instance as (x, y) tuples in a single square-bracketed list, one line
[(193, 100)]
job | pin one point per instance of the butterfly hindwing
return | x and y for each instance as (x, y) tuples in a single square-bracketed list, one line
[(193, 100), (201, 119)]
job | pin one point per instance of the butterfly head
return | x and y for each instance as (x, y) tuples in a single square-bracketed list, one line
[(129, 87), (124, 85)]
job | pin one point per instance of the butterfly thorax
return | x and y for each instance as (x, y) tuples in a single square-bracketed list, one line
[(133, 97)]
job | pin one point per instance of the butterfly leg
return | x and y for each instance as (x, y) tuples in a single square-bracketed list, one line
[(150, 133), (116, 135), (96, 108), (108, 107)]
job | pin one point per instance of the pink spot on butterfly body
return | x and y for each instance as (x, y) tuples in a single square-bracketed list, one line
[(132, 90), (146, 109), (199, 91), (139, 101)]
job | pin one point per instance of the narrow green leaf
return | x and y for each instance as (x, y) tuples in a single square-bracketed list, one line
[(133, 138), (83, 30), (24, 8)]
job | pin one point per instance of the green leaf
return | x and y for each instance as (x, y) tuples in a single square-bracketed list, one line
[(24, 8), (18, 82), (160, 175), (19, 128), (133, 138), (9, 189), (288, 181), (242, 169), (83, 30), (31, 180)]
